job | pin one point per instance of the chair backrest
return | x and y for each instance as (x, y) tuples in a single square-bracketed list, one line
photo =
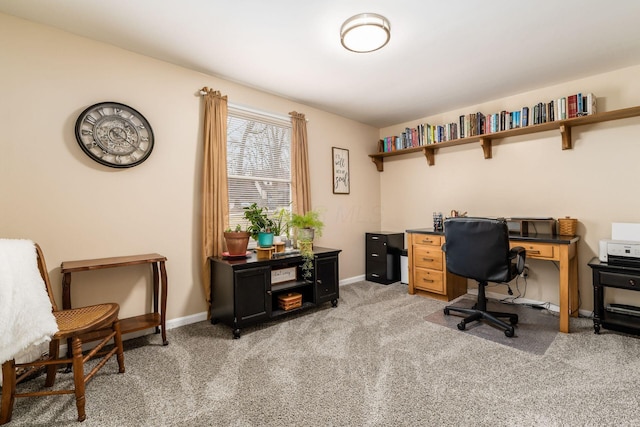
[(42, 266), (478, 248)]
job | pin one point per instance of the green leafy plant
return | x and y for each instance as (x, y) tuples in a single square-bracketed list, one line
[(280, 222), (259, 221), (238, 229), (310, 219), (306, 251), (308, 225)]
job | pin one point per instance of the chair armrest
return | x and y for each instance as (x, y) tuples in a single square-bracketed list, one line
[(519, 253)]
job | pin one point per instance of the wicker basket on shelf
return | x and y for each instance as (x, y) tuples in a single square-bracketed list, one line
[(567, 226)]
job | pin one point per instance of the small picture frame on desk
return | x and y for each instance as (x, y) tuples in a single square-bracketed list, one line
[(340, 170)]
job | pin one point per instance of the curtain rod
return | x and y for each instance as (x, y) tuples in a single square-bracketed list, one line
[(254, 110)]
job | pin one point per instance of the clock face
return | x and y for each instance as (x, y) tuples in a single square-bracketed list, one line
[(114, 135)]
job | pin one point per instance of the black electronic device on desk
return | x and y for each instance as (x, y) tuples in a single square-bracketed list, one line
[(532, 225), (619, 317)]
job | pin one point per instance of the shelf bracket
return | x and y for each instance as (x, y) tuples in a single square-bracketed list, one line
[(486, 147), (565, 131), (379, 163), (430, 155)]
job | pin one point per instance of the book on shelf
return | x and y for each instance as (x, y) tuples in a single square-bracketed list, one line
[(561, 109), (480, 123), (579, 106), (590, 104), (525, 116), (572, 106)]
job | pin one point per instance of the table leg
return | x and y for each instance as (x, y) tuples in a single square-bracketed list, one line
[(163, 303), (154, 267), (66, 305), (66, 291), (574, 300), (568, 285)]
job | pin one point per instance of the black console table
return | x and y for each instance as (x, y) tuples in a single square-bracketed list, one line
[(245, 291), (613, 276)]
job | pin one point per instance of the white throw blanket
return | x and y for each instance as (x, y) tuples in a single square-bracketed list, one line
[(26, 320)]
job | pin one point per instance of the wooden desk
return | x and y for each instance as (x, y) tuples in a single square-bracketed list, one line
[(156, 319), (546, 247)]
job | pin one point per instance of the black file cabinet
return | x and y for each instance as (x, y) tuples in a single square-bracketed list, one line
[(383, 256)]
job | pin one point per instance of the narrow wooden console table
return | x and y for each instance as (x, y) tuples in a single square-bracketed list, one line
[(156, 319)]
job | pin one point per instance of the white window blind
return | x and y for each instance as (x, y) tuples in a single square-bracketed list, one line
[(258, 162)]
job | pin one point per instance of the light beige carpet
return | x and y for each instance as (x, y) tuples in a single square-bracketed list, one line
[(372, 361)]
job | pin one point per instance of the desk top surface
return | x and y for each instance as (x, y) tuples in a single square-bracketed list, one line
[(629, 266), (530, 237), (252, 260), (99, 263)]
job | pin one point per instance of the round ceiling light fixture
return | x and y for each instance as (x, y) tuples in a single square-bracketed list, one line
[(365, 32)]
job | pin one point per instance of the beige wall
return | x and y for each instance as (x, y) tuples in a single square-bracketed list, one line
[(52, 193), (596, 182)]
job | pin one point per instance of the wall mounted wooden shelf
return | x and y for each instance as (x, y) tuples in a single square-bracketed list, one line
[(486, 140)]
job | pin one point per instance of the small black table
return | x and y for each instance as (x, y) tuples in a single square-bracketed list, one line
[(613, 276)]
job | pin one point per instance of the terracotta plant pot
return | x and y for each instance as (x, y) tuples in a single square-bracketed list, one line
[(237, 242)]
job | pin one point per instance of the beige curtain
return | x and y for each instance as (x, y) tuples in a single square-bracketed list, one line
[(300, 180), (215, 196)]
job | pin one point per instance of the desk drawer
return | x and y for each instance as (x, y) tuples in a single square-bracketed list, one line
[(536, 250), (617, 280), (429, 280), (426, 239), (427, 257), (376, 245)]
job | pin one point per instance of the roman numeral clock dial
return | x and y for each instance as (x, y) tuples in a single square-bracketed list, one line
[(114, 135)]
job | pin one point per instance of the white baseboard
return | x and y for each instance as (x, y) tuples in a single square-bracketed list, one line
[(186, 320), (352, 280)]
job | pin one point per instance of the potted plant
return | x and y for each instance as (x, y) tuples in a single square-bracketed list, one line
[(280, 224), (307, 226), (260, 224), (236, 241)]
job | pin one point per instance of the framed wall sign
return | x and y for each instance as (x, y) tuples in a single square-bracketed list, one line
[(340, 170)]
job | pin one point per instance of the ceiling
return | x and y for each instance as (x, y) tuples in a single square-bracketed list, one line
[(442, 55)]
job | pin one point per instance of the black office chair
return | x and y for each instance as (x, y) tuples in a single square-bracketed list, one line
[(478, 248)]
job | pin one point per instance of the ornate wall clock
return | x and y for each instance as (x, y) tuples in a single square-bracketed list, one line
[(114, 135)]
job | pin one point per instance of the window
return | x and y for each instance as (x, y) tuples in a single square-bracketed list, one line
[(258, 162)]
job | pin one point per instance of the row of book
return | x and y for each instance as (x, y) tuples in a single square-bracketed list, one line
[(475, 124)]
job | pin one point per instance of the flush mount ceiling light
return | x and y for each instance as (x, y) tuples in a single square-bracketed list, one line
[(365, 32)]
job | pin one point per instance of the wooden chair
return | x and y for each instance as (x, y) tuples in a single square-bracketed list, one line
[(92, 323)]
